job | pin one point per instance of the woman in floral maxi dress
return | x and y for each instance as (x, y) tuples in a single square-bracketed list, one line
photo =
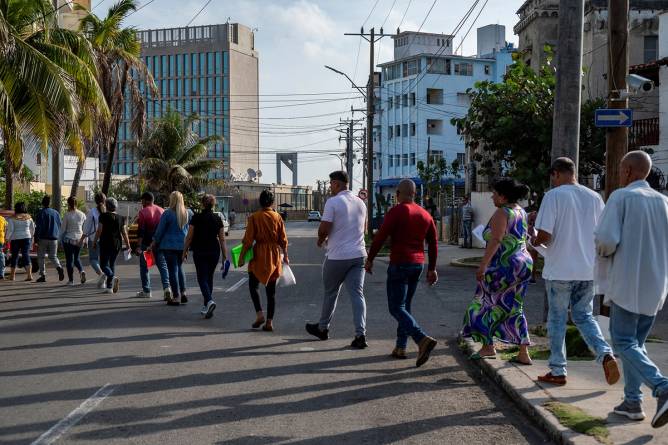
[(497, 311)]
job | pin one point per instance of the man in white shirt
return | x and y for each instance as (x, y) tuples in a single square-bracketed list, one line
[(633, 236), (566, 221), (341, 232)]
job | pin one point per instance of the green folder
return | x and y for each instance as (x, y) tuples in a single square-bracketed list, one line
[(236, 253)]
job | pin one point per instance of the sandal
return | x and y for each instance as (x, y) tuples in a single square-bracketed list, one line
[(516, 360), (266, 328), (258, 323), (477, 356)]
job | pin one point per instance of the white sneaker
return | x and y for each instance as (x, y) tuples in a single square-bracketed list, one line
[(83, 277), (101, 281), (168, 293), (203, 311), (142, 294), (210, 307), (71, 283), (108, 290), (115, 284)]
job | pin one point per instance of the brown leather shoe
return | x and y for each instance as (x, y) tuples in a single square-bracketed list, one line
[(611, 369), (399, 353), (426, 345), (559, 380)]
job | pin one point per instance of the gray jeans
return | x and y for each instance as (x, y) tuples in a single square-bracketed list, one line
[(49, 248), (335, 273)]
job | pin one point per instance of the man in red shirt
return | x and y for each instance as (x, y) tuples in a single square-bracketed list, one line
[(408, 225), (147, 222)]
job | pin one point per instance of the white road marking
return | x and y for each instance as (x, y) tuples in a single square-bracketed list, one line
[(60, 428), (237, 285), (306, 348)]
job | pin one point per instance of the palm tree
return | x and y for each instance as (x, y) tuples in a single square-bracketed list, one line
[(120, 72), (47, 77), (173, 157)]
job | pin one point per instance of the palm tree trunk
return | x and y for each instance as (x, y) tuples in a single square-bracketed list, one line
[(77, 176), (111, 149), (56, 179), (9, 177)]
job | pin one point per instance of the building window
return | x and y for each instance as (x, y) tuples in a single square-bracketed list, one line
[(397, 160), (202, 61), (226, 62), (404, 100), (390, 160), (412, 96), (434, 96), (413, 129), (163, 66), (651, 48), (389, 103), (390, 134), (210, 67), (404, 159), (38, 159), (193, 64), (172, 66), (397, 130), (219, 63), (404, 130), (461, 159), (412, 158), (488, 70), (397, 100), (410, 68), (435, 155), (434, 126), (464, 69), (438, 65)]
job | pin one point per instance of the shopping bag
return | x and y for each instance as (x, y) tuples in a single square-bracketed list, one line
[(149, 258), (128, 255), (236, 253), (287, 278), (225, 269)]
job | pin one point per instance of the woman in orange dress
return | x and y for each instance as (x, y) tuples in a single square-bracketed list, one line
[(265, 234)]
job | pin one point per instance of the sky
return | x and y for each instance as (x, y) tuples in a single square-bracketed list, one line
[(296, 38)]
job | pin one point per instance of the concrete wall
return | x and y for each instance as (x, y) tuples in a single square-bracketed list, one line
[(244, 82)]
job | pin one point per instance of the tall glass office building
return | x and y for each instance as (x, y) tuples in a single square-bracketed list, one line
[(202, 70)]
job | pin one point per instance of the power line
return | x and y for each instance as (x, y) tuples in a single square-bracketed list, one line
[(198, 13), (472, 25)]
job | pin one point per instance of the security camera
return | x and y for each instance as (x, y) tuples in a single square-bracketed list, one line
[(638, 83)]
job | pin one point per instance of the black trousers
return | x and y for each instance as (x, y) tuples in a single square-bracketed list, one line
[(254, 285)]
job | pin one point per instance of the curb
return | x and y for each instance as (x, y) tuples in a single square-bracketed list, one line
[(459, 262), (543, 418)]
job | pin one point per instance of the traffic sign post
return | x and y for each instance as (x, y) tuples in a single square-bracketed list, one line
[(611, 118)]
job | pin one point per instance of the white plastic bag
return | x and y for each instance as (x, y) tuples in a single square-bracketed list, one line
[(128, 255), (287, 278)]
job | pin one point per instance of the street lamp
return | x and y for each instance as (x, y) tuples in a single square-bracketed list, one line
[(340, 159), (362, 92)]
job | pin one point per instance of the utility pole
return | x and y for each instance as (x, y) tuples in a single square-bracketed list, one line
[(568, 94), (365, 156), (372, 38), (617, 139), (349, 154)]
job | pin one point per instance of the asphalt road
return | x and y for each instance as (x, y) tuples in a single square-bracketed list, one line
[(110, 369)]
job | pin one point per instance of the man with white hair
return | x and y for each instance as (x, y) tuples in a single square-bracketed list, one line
[(633, 235)]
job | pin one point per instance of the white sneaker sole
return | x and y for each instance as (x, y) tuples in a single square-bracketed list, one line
[(632, 416)]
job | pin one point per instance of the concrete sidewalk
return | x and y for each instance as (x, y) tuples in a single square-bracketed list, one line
[(586, 389)]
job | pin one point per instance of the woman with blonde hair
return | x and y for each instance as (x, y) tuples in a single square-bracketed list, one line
[(169, 239)]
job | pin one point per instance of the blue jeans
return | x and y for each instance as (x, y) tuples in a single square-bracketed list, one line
[(579, 295), (22, 247), (108, 263), (94, 256), (205, 265), (402, 281), (72, 260), (468, 235), (2, 263), (144, 272), (629, 332), (174, 260)]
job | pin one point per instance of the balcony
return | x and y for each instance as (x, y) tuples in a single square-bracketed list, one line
[(644, 132)]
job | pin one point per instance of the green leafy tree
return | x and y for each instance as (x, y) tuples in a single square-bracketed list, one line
[(46, 75), (508, 127), (173, 157), (121, 71)]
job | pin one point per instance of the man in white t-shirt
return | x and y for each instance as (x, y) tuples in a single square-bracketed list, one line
[(566, 221), (341, 232)]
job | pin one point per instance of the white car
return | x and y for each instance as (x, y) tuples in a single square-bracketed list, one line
[(314, 216)]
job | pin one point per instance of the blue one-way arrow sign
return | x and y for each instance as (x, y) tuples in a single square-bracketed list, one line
[(610, 117)]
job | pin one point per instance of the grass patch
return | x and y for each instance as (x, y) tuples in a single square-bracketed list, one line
[(654, 339), (579, 420), (535, 352), (538, 331)]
